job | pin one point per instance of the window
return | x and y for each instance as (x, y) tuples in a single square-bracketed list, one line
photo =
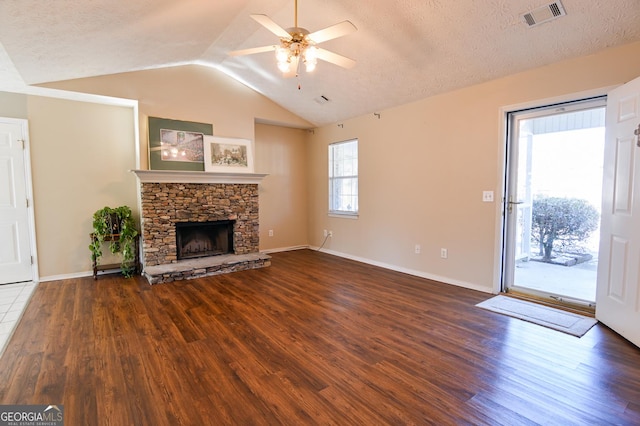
[(343, 178)]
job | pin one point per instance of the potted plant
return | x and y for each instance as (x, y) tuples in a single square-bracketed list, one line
[(116, 226)]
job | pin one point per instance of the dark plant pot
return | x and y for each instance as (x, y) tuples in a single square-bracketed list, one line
[(114, 222)]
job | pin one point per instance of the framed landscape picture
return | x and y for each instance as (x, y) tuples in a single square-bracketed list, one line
[(228, 155), (177, 145)]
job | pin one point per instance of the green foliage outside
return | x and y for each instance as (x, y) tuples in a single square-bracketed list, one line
[(562, 223)]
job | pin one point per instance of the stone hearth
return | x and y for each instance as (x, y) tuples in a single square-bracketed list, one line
[(203, 267), (170, 198)]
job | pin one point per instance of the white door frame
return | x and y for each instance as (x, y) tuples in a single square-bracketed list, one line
[(523, 203), (502, 170), (24, 125)]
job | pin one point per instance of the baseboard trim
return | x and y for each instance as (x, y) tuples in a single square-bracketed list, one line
[(90, 273), (75, 275), (408, 271), (281, 249), (384, 265)]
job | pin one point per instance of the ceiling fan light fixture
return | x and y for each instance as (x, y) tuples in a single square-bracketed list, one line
[(283, 59), (297, 44), (289, 53), (310, 55), (284, 67), (309, 66), (282, 54)]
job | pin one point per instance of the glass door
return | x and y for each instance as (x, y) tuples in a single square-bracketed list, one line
[(553, 200)]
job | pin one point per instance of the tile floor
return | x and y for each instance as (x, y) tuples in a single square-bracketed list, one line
[(13, 300)]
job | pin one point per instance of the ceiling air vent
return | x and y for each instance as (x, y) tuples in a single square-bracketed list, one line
[(544, 14), (322, 99)]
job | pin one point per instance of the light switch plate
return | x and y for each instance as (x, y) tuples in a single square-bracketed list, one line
[(487, 196)]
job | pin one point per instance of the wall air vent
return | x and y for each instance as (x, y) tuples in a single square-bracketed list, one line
[(544, 14)]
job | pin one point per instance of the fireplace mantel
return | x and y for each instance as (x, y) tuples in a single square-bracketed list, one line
[(179, 176)]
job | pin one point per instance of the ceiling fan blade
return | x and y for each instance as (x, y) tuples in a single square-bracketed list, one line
[(334, 58), (268, 23), (253, 50), (334, 31)]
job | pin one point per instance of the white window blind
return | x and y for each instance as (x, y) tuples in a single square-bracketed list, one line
[(343, 178)]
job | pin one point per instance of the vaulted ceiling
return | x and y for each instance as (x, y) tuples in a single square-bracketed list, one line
[(405, 49)]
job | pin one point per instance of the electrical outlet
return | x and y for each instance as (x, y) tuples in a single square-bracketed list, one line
[(324, 233), (444, 253), (487, 196), (330, 234), (271, 232), (418, 249)]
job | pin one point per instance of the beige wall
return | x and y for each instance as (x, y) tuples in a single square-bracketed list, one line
[(80, 156), (13, 105), (191, 93), (281, 152), (423, 167)]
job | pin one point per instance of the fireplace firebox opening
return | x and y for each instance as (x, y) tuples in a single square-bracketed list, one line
[(202, 239)]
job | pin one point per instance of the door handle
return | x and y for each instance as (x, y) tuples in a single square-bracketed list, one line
[(511, 203)]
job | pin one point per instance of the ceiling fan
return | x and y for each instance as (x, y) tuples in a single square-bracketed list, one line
[(298, 45)]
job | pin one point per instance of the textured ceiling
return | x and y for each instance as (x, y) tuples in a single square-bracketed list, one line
[(405, 49)]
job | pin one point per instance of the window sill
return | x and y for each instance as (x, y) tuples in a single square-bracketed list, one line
[(344, 215)]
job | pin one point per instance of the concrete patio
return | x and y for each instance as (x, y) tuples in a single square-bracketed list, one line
[(576, 282)]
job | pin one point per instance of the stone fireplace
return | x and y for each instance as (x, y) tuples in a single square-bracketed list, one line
[(203, 239), (197, 224)]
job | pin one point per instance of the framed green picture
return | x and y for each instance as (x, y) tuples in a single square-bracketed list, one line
[(177, 145)]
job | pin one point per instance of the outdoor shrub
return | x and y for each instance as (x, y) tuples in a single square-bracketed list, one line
[(562, 222)]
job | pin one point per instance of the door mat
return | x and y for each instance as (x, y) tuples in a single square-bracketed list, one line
[(557, 319)]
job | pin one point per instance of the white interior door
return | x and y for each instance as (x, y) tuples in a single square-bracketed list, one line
[(618, 289), (15, 249)]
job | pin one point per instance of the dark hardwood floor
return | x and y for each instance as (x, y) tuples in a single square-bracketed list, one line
[(313, 339)]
